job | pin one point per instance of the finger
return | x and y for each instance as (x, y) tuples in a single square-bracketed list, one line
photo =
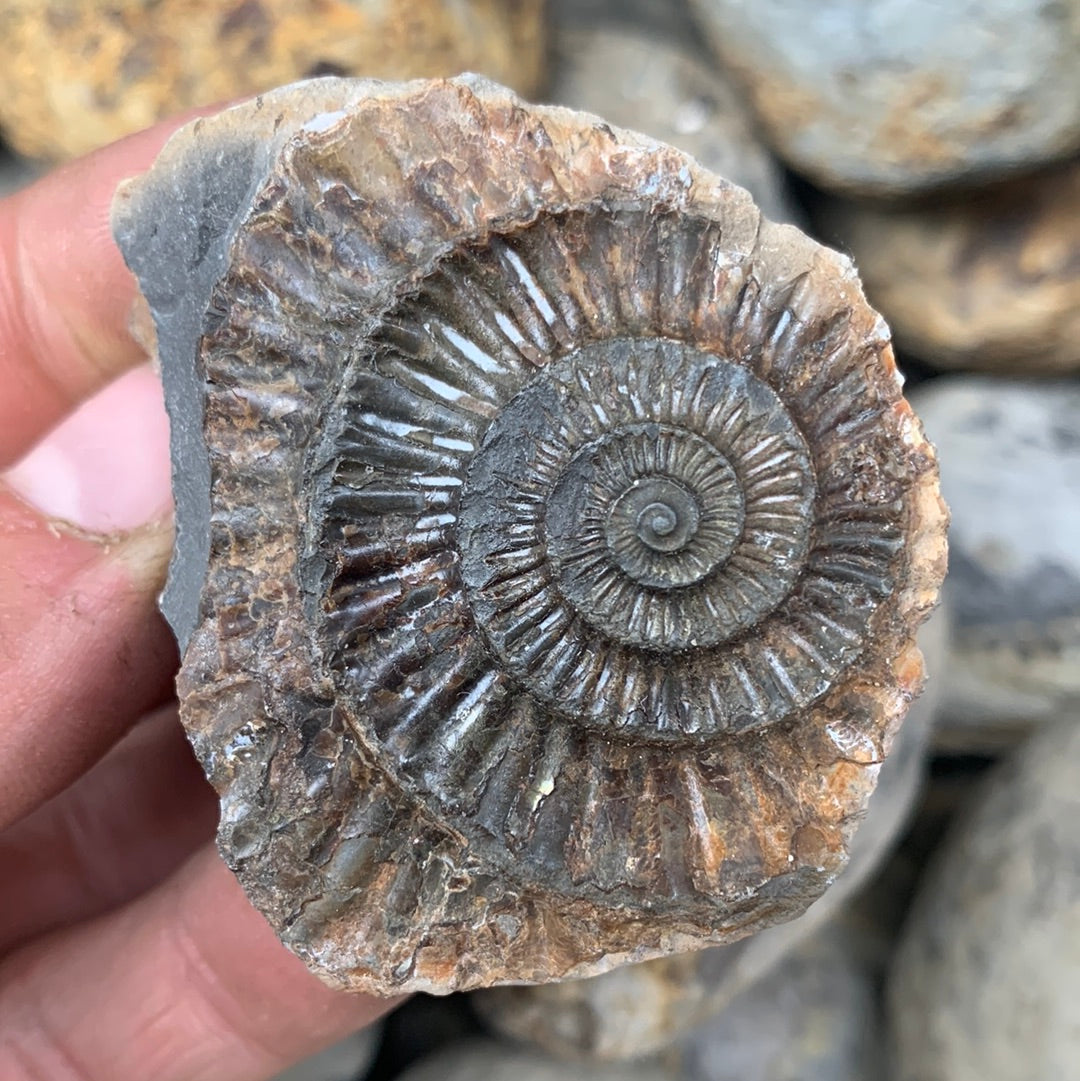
[(65, 294), (117, 832), (186, 984), (83, 650)]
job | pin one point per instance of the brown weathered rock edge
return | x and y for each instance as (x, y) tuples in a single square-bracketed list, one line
[(255, 315)]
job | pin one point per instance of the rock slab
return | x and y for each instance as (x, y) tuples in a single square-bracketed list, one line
[(898, 96), (1010, 470), (986, 985)]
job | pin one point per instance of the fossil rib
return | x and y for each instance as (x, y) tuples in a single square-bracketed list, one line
[(552, 531)]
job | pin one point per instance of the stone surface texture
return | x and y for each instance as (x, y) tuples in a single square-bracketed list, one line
[(1010, 454), (633, 78), (639, 1010), (988, 279), (492, 1061), (897, 96), (552, 532), (79, 75), (986, 985), (815, 1017)]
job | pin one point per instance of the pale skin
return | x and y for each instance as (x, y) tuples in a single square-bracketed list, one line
[(127, 949)]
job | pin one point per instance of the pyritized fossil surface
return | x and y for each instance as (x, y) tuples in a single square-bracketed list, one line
[(552, 531)]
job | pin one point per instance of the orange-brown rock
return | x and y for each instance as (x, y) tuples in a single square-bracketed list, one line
[(986, 279), (552, 531), (81, 73)]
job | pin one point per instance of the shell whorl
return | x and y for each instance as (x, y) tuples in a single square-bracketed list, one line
[(569, 537), (558, 534)]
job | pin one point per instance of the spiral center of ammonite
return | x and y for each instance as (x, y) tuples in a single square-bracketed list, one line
[(657, 502), (617, 487), (658, 522), (659, 511)]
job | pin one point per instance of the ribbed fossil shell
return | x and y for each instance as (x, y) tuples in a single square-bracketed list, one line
[(566, 531)]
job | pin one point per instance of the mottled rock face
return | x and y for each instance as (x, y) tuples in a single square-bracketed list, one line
[(986, 280), (1010, 456), (901, 95), (987, 980), (639, 80), (639, 1010), (79, 75), (552, 532)]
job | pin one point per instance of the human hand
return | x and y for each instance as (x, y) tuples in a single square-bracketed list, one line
[(127, 950)]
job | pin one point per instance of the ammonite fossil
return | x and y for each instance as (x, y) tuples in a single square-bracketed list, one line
[(552, 531)]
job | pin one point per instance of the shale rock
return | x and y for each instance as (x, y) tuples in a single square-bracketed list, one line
[(986, 279), (898, 96), (78, 75), (640, 81), (986, 985), (1010, 454)]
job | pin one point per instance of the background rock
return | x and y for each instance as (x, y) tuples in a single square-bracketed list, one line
[(487, 1060), (639, 81), (814, 1017), (1010, 472), (640, 1009), (900, 95), (987, 279), (77, 76), (987, 980)]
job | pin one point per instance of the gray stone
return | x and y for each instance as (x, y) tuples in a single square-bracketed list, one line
[(815, 1017), (986, 985), (491, 1061), (633, 79), (900, 95), (1010, 472), (641, 1009), (347, 1060)]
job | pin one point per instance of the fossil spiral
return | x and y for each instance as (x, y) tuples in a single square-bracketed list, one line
[(552, 531)]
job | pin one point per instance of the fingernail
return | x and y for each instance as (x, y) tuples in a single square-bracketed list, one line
[(105, 469)]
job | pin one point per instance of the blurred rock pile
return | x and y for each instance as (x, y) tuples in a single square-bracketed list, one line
[(938, 143)]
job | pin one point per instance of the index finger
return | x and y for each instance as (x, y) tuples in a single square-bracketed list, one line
[(65, 293)]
